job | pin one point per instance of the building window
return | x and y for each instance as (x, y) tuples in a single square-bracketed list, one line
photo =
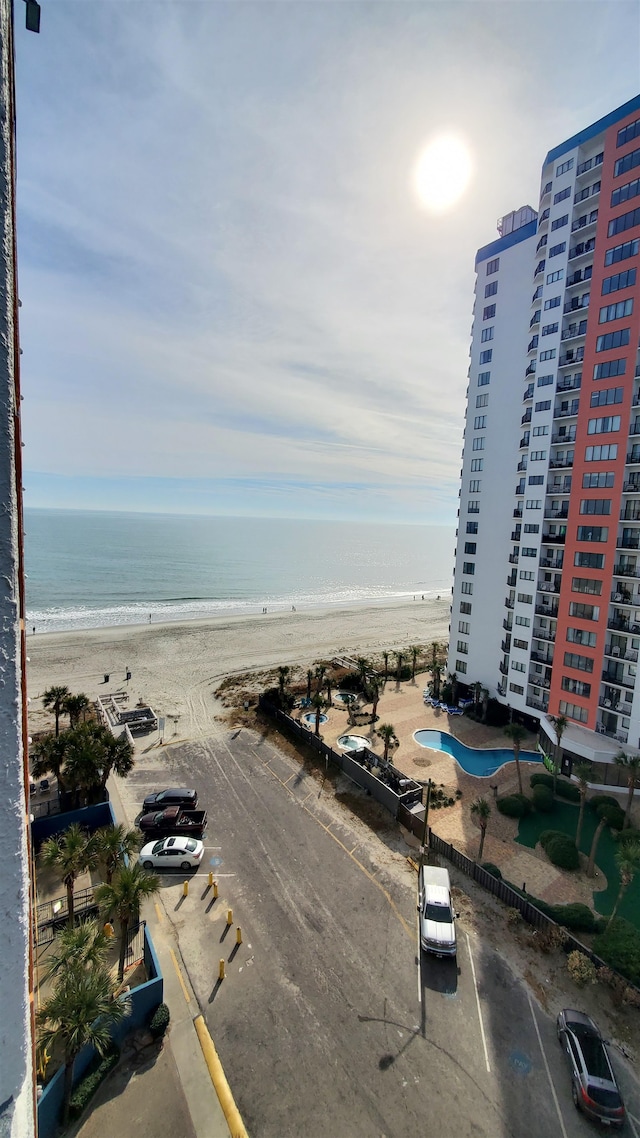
[(517, 689), (609, 340), (490, 289), (572, 711), (486, 334), (588, 560), (550, 329), (534, 503), (469, 568), (552, 302), (478, 443), (484, 378), (523, 644), (601, 481), (475, 485), (470, 546), (523, 621), (593, 533), (466, 587), (584, 612), (528, 551), (561, 195), (485, 357), (603, 426), (595, 506), (560, 221), (461, 666), (527, 574), (473, 507), (463, 647), (536, 479), (550, 354), (624, 193), (564, 166), (530, 528), (581, 636), (525, 598), (537, 455), (556, 250), (465, 607), (621, 252), (607, 396), (489, 314), (619, 280), (493, 266), (476, 464), (623, 222), (556, 276), (616, 311), (538, 431), (629, 162), (580, 663), (543, 405), (545, 380), (518, 666), (602, 453), (627, 133), (610, 369), (586, 585), (482, 400), (463, 627), (472, 527), (480, 422), (576, 687)]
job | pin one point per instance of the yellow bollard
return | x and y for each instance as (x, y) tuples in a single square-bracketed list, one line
[(185, 888), (210, 878), (229, 916), (238, 935), (215, 890), (221, 971)]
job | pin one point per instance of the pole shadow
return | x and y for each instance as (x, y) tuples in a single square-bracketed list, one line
[(179, 904), (211, 904), (214, 991), (225, 933), (234, 952)]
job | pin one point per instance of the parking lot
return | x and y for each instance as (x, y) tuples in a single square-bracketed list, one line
[(329, 1019)]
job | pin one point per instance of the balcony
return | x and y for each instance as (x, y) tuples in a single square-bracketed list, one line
[(612, 733), (621, 570), (538, 681), (576, 303), (634, 428), (616, 651), (574, 330), (531, 369), (585, 221), (503, 668), (582, 248), (562, 464), (513, 558), (570, 383), (563, 512), (517, 513), (621, 624), (552, 587), (624, 598), (570, 436), (522, 465), (537, 294), (506, 644), (528, 392), (618, 679), (511, 579), (515, 535), (533, 344), (550, 563), (526, 418), (630, 515), (567, 412), (542, 242), (507, 623), (631, 486), (519, 490), (544, 634), (573, 356), (633, 457), (543, 657), (539, 268), (535, 319), (554, 538), (507, 603), (535, 703), (590, 164), (628, 542), (547, 610)]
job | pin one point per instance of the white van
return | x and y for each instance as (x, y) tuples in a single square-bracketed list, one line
[(437, 927)]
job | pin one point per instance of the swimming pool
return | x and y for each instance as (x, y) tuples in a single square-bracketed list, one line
[(310, 717), (352, 742), (474, 760), (343, 697)]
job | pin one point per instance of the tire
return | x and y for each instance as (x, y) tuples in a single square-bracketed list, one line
[(574, 1096), (147, 865), (185, 865)]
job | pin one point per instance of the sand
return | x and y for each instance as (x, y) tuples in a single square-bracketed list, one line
[(176, 668)]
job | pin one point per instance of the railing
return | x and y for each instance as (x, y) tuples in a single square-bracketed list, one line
[(584, 222), (542, 657), (569, 437), (503, 669), (634, 428), (531, 369), (50, 915), (626, 571), (574, 330), (589, 164), (507, 624), (567, 413), (571, 358), (624, 599), (621, 653), (515, 535), (631, 486), (531, 702), (547, 610), (513, 558), (506, 646), (554, 538), (549, 563), (628, 543), (581, 248), (575, 304), (522, 465), (543, 634), (511, 579), (612, 733), (580, 275), (618, 625), (619, 681), (569, 385), (633, 456), (550, 513), (507, 603), (517, 513), (526, 418), (539, 681), (566, 462)]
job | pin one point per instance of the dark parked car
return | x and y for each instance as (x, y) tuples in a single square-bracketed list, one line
[(593, 1083), (174, 820), (174, 797)]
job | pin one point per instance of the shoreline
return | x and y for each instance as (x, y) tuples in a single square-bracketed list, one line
[(177, 665)]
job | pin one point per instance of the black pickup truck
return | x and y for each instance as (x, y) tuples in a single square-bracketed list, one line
[(174, 820)]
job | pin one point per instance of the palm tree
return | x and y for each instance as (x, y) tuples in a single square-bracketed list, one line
[(454, 688), (374, 692), (609, 816), (47, 758), (80, 1010), (388, 735), (283, 676), (385, 657), (583, 772), (320, 674), (631, 766), (83, 946), (415, 651), (434, 654), (516, 733), (481, 810), (399, 658), (485, 704), (318, 702), (76, 706), (123, 899), (55, 697), (309, 679), (114, 844), (477, 694), (70, 854), (560, 723), (92, 753), (628, 863), (328, 683), (436, 676)]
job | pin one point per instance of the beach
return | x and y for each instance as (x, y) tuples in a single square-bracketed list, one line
[(176, 667)]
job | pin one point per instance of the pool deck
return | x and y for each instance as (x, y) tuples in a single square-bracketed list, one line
[(402, 705)]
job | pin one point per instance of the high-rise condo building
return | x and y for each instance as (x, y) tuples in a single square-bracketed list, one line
[(546, 600)]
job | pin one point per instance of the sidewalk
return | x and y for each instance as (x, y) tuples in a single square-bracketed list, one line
[(171, 1092)]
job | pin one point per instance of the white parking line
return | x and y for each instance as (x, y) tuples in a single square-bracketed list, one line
[(475, 985), (546, 1067), (631, 1119)]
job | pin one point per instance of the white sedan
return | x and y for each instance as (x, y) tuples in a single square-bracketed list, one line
[(172, 853)]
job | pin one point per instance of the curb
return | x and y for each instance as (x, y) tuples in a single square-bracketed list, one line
[(219, 1080)]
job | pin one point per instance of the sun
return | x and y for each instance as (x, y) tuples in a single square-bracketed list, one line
[(442, 173)]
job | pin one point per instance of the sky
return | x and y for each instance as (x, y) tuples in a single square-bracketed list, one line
[(233, 301)]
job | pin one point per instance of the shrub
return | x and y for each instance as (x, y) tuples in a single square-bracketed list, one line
[(514, 805), (549, 938), (574, 916), (619, 947), (87, 1087), (159, 1021), (581, 969), (568, 790), (628, 839), (540, 778), (492, 869), (602, 800), (514, 917), (560, 849), (543, 798)]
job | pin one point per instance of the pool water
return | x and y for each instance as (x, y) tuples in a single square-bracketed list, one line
[(310, 717), (343, 697), (474, 760), (352, 742)]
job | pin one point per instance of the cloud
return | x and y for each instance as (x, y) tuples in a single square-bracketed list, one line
[(224, 270)]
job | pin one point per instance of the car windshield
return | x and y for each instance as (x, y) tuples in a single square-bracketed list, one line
[(157, 847), (604, 1097), (190, 845), (441, 913), (594, 1054)]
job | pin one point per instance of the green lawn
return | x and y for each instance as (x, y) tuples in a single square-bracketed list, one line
[(564, 817)]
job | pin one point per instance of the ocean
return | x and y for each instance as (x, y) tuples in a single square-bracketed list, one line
[(96, 569)]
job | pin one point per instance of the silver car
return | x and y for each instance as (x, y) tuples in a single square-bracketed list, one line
[(172, 853), (593, 1083)]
